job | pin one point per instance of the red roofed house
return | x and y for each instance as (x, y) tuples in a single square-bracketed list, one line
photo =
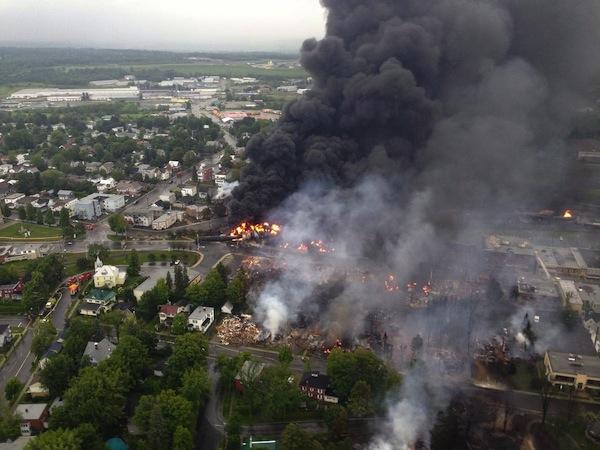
[(167, 312)]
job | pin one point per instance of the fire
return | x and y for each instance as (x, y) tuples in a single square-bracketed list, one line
[(247, 230), (315, 246), (391, 284), (568, 214)]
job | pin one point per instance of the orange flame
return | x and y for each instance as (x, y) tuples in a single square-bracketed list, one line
[(568, 214), (247, 230)]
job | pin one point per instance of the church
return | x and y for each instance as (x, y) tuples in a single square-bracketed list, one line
[(108, 276)]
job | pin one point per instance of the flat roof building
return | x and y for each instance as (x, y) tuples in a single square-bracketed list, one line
[(571, 370)]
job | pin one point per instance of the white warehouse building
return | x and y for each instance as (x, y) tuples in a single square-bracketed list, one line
[(55, 94)]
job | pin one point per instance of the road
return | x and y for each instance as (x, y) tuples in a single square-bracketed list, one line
[(20, 362), (199, 110)]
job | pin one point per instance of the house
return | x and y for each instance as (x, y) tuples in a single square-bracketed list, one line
[(249, 372), (129, 188), (94, 205), (38, 390), (318, 386), (98, 351), (65, 195), (227, 308), (92, 167), (201, 318), (220, 178), (189, 190), (108, 276), (11, 199), (106, 184), (90, 309), (5, 335), (570, 370), (167, 197), (12, 291), (33, 417), (102, 297), (148, 172), (166, 313), (140, 218), (107, 167), (196, 212), (53, 350), (207, 174)]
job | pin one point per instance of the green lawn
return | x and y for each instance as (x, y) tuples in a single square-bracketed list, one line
[(524, 376), (188, 69), (38, 232)]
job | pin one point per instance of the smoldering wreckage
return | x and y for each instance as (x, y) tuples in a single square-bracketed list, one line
[(427, 121)]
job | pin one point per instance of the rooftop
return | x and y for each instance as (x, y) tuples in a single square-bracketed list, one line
[(100, 295), (98, 351), (31, 411), (569, 363), (315, 380)]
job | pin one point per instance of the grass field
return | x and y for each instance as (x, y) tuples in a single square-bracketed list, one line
[(188, 69), (13, 232)]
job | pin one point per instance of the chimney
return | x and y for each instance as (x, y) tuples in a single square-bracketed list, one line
[(96, 345)]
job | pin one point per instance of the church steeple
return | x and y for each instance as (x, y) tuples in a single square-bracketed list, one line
[(98, 263)]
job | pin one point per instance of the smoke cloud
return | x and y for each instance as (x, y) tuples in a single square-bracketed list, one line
[(424, 117)]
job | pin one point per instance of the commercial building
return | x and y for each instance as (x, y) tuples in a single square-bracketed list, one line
[(76, 94), (570, 370), (166, 220), (129, 188), (159, 273), (569, 295), (94, 205), (201, 318), (561, 261)]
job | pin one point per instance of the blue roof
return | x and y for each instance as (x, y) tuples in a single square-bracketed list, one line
[(116, 444)]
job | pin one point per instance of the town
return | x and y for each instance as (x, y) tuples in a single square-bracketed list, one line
[(368, 245)]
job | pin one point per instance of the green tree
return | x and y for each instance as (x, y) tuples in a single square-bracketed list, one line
[(49, 219), (295, 438), (211, 292), (169, 281), (117, 223), (59, 439), (31, 212), (147, 307), (285, 355), (10, 427), (133, 269), (22, 212), (64, 220), (189, 350), (97, 251), (279, 396), (13, 388), (359, 403), (237, 289), (179, 325), (183, 439), (6, 211), (43, 336), (57, 373), (195, 386), (35, 293), (163, 413), (130, 357), (39, 217)]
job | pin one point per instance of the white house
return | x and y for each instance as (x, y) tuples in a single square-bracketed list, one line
[(5, 335), (189, 190), (201, 318), (108, 276)]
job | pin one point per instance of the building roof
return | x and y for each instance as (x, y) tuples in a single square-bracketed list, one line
[(315, 380), (569, 363), (3, 328), (100, 295), (31, 411), (250, 370), (200, 312), (116, 444), (98, 351), (90, 307), (169, 310)]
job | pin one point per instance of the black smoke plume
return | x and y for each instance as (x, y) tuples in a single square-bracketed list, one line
[(470, 99)]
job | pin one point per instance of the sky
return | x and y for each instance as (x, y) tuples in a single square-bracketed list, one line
[(185, 25)]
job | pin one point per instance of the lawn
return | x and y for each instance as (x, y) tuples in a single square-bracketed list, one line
[(525, 376), (38, 232), (189, 69)]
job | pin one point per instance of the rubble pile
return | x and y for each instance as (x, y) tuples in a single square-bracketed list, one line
[(238, 331)]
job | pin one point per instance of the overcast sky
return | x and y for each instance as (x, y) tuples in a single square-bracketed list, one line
[(279, 25)]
